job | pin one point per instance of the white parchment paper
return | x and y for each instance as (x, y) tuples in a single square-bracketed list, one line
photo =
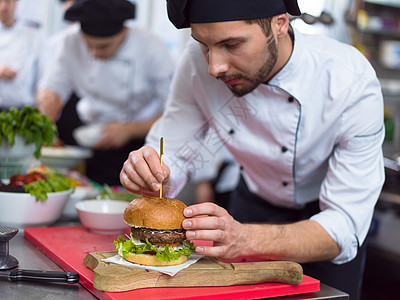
[(169, 270)]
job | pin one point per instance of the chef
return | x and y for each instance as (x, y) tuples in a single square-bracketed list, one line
[(121, 75), (20, 58), (302, 115)]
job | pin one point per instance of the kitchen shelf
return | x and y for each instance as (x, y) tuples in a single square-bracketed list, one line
[(390, 197), (392, 3), (383, 33)]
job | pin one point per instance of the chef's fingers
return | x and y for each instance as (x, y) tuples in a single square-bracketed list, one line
[(7, 73), (207, 208), (145, 163), (130, 175), (159, 173), (101, 144), (220, 251), (215, 235), (131, 179), (49, 103), (199, 223), (128, 184), (10, 74), (133, 187)]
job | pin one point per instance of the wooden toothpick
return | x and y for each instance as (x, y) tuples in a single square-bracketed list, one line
[(161, 155)]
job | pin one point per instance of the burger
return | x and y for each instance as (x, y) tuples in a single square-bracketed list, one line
[(156, 237)]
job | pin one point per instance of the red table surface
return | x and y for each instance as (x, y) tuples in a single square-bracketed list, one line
[(67, 247)]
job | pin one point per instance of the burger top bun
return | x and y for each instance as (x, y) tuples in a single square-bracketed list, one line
[(155, 212)]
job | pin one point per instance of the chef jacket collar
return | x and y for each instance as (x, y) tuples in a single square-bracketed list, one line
[(291, 76), (183, 12)]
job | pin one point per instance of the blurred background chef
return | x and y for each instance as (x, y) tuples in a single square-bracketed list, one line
[(120, 74), (20, 58)]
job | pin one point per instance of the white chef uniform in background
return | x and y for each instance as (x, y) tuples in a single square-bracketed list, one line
[(21, 50), (130, 86)]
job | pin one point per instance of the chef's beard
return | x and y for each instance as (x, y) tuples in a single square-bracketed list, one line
[(259, 77)]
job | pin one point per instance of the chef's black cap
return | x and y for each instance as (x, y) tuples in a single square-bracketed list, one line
[(183, 12), (101, 18)]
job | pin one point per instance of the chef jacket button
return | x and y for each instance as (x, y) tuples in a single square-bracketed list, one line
[(284, 183), (290, 99), (284, 149), (232, 131), (241, 168)]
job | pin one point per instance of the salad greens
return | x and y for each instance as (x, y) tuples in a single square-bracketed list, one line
[(28, 122), (55, 183), (163, 252), (118, 193)]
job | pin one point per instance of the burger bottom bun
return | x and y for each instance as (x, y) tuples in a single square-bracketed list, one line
[(151, 260)]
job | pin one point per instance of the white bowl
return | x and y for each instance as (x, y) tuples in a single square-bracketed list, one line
[(22, 209), (88, 135), (80, 193), (102, 216), (64, 157), (18, 150), (15, 159)]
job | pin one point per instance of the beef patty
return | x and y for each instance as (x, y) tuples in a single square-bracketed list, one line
[(159, 236)]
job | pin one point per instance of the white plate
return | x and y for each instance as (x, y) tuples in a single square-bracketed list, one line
[(64, 157), (88, 135)]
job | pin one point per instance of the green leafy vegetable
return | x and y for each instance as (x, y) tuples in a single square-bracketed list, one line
[(55, 183), (163, 253), (118, 193), (28, 122)]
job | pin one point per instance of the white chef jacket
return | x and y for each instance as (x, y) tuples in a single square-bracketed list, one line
[(130, 86), (213, 157), (20, 49), (315, 131)]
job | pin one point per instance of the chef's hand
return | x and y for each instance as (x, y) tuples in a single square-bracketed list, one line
[(49, 103), (114, 136), (142, 172), (208, 221), (6, 73)]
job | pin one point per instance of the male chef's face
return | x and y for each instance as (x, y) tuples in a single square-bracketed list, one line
[(7, 11), (104, 47), (238, 53)]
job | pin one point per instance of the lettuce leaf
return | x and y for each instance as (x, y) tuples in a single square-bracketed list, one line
[(163, 253), (55, 183)]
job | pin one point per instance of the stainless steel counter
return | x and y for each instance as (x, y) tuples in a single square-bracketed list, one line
[(30, 257)]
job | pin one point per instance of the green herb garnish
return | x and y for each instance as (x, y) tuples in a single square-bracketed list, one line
[(28, 122)]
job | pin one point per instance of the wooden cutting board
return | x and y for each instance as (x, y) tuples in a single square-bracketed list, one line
[(207, 271)]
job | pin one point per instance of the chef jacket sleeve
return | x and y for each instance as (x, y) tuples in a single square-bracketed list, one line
[(56, 76), (355, 175), (183, 116)]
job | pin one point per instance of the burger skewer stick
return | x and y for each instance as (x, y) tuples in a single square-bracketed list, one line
[(161, 154)]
